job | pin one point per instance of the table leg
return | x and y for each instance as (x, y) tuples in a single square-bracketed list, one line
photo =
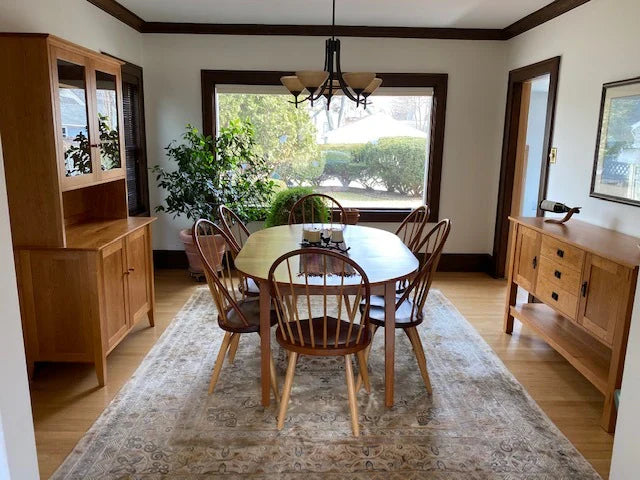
[(265, 342), (389, 340)]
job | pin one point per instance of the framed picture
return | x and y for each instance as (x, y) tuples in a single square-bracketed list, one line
[(616, 169)]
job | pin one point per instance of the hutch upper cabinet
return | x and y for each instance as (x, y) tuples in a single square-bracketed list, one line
[(85, 272)]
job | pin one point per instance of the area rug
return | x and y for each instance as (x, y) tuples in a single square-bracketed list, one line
[(479, 423)]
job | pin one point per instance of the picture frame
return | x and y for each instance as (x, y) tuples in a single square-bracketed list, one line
[(616, 165)]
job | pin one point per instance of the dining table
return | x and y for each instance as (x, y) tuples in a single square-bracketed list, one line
[(382, 255)]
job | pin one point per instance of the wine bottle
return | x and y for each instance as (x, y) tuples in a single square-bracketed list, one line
[(555, 207)]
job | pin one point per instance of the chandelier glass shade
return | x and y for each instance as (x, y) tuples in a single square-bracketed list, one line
[(330, 81)]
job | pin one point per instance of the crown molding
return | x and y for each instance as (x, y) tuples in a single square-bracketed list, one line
[(549, 12), (122, 13), (546, 13), (322, 30)]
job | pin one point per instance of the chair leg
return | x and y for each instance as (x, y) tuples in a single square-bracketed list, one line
[(351, 389), (233, 346), (363, 377), (219, 361), (286, 390), (367, 351), (274, 381), (414, 337)]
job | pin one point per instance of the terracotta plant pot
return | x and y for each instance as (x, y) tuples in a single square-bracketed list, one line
[(353, 215), (196, 266)]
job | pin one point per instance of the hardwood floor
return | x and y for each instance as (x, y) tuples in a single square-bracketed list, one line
[(66, 399)]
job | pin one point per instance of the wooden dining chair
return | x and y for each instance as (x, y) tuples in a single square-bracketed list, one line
[(410, 230), (410, 303), (307, 210), (237, 314), (304, 283), (238, 232), (233, 226)]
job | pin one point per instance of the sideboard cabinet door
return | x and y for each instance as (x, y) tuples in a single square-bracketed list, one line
[(603, 296), (114, 268), (527, 258)]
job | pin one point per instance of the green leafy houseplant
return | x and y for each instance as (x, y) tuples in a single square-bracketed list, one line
[(213, 172), (284, 201)]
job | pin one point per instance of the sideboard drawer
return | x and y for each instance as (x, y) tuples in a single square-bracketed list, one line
[(561, 252), (564, 277), (562, 300)]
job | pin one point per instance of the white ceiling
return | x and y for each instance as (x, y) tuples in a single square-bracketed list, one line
[(397, 13)]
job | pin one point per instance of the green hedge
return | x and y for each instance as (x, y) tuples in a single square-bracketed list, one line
[(396, 162), (284, 201)]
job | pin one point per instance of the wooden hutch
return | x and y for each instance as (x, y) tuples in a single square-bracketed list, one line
[(585, 278), (84, 267)]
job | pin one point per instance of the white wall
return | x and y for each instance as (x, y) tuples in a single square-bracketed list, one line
[(74, 20), (18, 454), (475, 107), (598, 43), (535, 140)]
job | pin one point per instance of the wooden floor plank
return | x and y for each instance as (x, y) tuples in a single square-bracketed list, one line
[(66, 400)]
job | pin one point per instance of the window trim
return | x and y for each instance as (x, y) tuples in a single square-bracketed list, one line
[(436, 81), (133, 74)]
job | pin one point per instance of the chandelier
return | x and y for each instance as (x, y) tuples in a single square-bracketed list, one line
[(356, 86)]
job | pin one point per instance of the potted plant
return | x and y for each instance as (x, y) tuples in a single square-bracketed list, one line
[(211, 172)]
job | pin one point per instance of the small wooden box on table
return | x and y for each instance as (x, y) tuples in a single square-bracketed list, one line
[(585, 278), (84, 267)]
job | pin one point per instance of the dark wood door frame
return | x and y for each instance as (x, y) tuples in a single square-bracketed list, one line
[(509, 145)]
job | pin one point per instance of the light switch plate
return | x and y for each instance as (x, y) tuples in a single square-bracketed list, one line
[(553, 156)]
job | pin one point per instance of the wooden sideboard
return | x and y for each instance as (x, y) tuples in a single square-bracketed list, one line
[(584, 277), (84, 267)]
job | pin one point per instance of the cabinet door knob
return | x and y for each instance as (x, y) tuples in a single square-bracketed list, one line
[(557, 273), (535, 262), (132, 269), (584, 289), (554, 295), (560, 253)]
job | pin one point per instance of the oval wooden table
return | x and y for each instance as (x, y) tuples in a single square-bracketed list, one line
[(383, 256)]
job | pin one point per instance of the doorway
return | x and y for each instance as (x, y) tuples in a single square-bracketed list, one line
[(526, 148)]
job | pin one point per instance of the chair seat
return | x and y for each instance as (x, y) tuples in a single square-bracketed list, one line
[(404, 319), (251, 311), (341, 348)]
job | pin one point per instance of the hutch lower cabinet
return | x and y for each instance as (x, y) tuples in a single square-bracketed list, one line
[(78, 303), (584, 278), (84, 267)]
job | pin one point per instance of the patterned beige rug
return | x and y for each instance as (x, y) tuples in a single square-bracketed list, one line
[(479, 424)]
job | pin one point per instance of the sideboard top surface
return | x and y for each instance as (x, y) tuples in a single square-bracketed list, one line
[(98, 234), (615, 246)]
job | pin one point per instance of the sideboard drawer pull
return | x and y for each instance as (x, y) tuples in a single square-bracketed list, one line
[(560, 253), (557, 274), (554, 295)]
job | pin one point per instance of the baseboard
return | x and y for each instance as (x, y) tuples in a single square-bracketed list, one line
[(170, 259), (465, 262), (449, 262)]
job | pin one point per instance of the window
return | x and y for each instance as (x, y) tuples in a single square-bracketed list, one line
[(384, 160), (134, 140)]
